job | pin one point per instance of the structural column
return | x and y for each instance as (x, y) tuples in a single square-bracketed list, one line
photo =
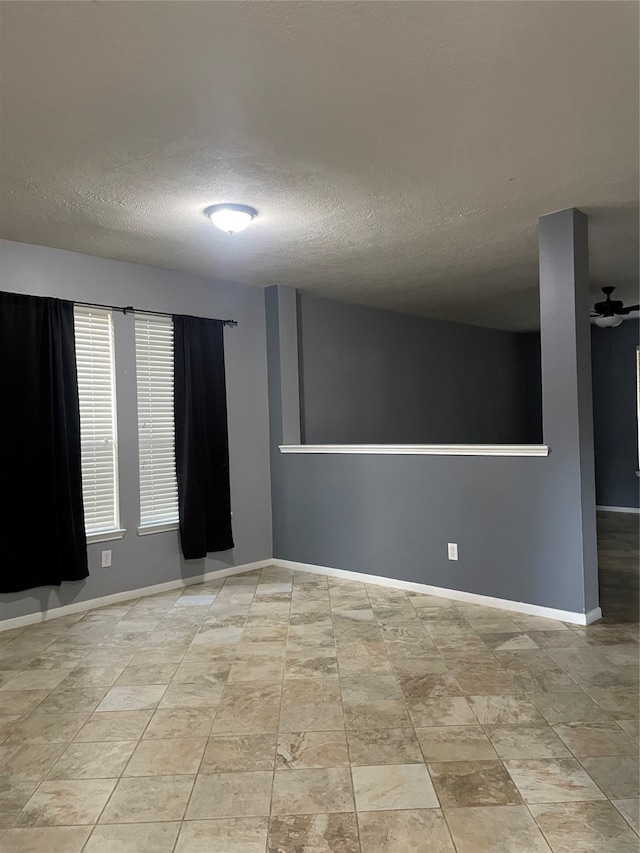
[(566, 378)]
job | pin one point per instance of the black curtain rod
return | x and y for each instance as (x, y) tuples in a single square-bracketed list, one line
[(129, 308)]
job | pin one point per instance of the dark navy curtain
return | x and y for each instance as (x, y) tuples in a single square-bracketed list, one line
[(202, 444), (42, 534)]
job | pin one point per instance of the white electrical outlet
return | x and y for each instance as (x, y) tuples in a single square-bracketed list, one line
[(106, 559), (452, 548)]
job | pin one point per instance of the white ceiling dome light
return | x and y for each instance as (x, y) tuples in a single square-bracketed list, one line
[(609, 322), (231, 217)]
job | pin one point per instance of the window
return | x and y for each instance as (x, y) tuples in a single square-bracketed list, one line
[(96, 393), (156, 429)]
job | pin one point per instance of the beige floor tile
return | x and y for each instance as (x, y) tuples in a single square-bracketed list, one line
[(312, 791), (74, 700), (93, 676), (594, 739), (180, 722), (568, 707), (381, 714), (311, 690), (393, 786), (495, 829), (616, 776), (133, 838), (508, 641), (13, 797), (384, 746), (114, 725), (149, 799), (630, 810), (132, 698), (303, 665), (235, 753), (418, 689), (455, 743), (257, 669), (631, 727), (407, 831), (35, 679), (587, 826), (67, 803), (303, 750), (248, 708), (200, 672), (618, 702), (231, 835), (526, 741), (29, 762), (507, 710), (165, 757), (140, 674), (320, 833), (552, 780), (8, 724), (93, 760), (442, 711), (551, 680), (571, 659), (311, 704), (366, 688), (622, 654), (416, 666), (473, 783), (18, 702), (486, 683), (590, 678), (221, 795), (53, 839), (310, 716), (48, 728)]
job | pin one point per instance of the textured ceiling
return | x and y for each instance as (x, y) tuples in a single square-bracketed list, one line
[(399, 154)]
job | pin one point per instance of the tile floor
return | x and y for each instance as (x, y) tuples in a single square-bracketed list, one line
[(291, 713)]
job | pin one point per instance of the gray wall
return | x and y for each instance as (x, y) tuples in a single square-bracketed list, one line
[(144, 561), (614, 414), (525, 526), (380, 377)]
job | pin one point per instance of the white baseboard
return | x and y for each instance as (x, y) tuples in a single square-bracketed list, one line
[(127, 595), (632, 509), (454, 594)]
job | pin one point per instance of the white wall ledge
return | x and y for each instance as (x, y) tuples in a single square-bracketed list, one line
[(422, 449)]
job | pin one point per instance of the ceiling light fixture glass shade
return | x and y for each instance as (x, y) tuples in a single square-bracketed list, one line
[(231, 217), (609, 322)]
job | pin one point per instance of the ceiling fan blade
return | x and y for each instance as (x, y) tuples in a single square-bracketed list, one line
[(628, 309)]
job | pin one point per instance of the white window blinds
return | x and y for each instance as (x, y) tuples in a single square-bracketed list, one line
[(156, 430), (96, 392)]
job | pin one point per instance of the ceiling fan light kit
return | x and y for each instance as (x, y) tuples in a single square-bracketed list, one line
[(231, 218), (609, 322), (611, 312)]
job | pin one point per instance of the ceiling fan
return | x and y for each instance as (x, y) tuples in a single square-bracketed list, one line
[(611, 312)]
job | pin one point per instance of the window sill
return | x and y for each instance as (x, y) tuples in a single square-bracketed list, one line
[(148, 529), (105, 536), (423, 449)]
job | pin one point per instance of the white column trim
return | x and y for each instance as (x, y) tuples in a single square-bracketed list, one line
[(422, 449)]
